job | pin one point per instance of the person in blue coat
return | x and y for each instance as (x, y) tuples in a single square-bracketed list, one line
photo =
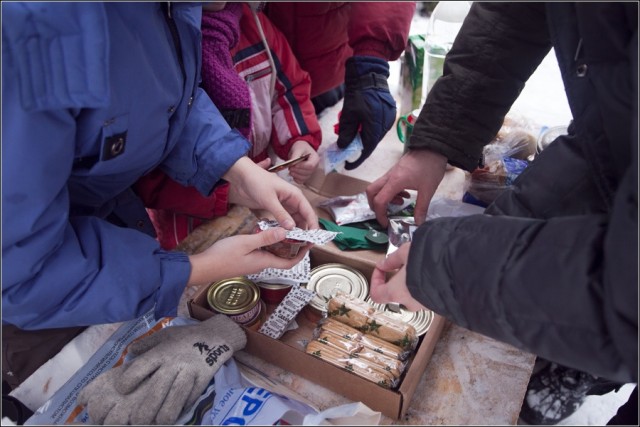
[(95, 95)]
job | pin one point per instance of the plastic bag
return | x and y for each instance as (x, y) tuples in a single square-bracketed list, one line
[(62, 407), (504, 159), (334, 158), (241, 395), (516, 138), (487, 183)]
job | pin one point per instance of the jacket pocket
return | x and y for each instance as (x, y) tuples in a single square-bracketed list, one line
[(112, 145)]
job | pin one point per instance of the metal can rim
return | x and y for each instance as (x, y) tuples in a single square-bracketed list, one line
[(317, 302), (274, 286), (216, 287), (420, 320)]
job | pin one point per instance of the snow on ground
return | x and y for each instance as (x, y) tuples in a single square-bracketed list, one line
[(598, 410)]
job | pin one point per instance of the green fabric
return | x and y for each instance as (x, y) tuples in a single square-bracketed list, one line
[(351, 237)]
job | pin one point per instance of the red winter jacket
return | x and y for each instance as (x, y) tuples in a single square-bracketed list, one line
[(283, 115), (324, 35)]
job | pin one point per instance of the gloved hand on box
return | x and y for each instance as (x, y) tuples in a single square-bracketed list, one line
[(171, 369), (368, 105)]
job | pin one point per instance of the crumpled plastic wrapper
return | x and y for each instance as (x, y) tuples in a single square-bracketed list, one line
[(401, 228), (317, 236), (351, 209)]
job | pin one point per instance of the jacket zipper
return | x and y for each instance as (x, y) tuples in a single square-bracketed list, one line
[(176, 37)]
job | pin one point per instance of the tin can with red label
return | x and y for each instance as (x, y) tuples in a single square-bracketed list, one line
[(273, 293), (238, 298)]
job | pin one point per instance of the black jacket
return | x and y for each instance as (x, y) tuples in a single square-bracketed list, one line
[(552, 266)]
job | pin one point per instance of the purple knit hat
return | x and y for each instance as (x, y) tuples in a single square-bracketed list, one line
[(228, 91)]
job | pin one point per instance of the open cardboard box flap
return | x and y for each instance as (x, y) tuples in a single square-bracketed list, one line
[(288, 352), (321, 187)]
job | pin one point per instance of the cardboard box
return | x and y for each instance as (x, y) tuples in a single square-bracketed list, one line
[(288, 352)]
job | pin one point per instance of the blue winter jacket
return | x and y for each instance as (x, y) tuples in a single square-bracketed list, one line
[(94, 96)]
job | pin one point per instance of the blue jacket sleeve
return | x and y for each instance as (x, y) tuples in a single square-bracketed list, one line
[(207, 144), (59, 272)]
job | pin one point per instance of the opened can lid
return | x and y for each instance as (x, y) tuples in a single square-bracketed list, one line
[(274, 286), (327, 279), (420, 320), (233, 296)]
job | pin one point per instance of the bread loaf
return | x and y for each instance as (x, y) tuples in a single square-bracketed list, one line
[(335, 340), (360, 367), (370, 342), (392, 365), (365, 318), (239, 220)]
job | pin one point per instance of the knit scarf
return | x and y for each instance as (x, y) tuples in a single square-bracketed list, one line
[(228, 91)]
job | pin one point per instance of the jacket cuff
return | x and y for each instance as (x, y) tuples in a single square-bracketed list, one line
[(176, 269), (231, 147), (372, 48)]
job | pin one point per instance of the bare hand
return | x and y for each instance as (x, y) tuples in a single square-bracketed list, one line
[(420, 170), (240, 255), (255, 188), (302, 171), (395, 289)]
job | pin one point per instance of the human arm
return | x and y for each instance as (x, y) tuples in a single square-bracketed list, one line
[(380, 29), (67, 271), (543, 286), (81, 269), (497, 49), (254, 187), (219, 159)]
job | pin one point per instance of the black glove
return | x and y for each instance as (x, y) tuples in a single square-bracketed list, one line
[(368, 105)]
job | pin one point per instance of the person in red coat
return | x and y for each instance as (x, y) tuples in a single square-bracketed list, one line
[(345, 47)]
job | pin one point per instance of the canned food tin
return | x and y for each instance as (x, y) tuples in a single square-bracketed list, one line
[(327, 279), (287, 248), (238, 298), (259, 320), (420, 320), (273, 293)]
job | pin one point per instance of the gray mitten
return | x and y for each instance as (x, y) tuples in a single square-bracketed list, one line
[(171, 369)]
